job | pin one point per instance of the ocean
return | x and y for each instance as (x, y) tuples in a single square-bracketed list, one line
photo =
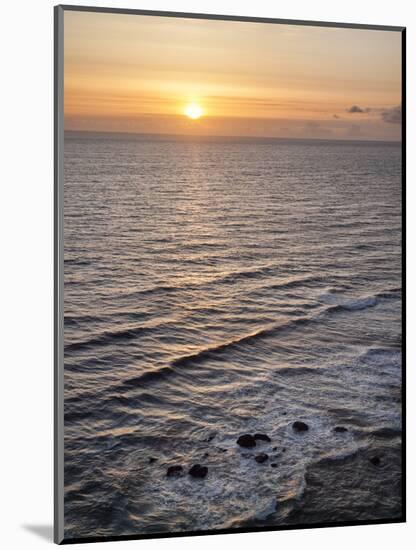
[(215, 288)]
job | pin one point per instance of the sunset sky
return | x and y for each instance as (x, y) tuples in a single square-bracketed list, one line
[(146, 74)]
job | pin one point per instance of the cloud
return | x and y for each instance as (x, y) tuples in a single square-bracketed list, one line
[(392, 115), (357, 109)]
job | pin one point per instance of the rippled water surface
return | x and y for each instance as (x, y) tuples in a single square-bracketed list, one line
[(214, 289)]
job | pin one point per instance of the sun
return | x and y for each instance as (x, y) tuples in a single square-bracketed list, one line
[(194, 111)]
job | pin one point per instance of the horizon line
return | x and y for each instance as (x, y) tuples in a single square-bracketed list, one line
[(232, 137)]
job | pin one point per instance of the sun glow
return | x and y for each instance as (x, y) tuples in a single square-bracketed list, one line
[(194, 111)]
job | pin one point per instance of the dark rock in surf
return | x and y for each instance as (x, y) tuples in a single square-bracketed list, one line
[(284, 450), (198, 471), (375, 460), (152, 459), (246, 440), (299, 426), (274, 449), (262, 437), (262, 457), (174, 471), (273, 465), (340, 429)]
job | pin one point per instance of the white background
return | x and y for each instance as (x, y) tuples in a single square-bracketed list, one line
[(26, 270)]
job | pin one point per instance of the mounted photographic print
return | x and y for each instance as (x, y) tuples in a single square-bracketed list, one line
[(228, 224)]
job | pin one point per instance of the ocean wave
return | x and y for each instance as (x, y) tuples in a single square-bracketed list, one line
[(212, 351), (385, 432), (299, 371), (113, 336), (107, 338), (233, 277), (336, 298), (78, 320), (296, 281), (76, 262), (390, 293), (146, 377), (356, 305), (330, 458)]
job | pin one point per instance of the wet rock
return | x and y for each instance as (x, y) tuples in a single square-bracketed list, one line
[(284, 450), (174, 471), (152, 459), (284, 413), (274, 449), (246, 440), (262, 457), (262, 437), (222, 450), (273, 465), (340, 429), (299, 426), (206, 455), (375, 460), (198, 471)]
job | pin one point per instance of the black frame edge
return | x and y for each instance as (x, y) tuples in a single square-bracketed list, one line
[(58, 371), (404, 279), (219, 17), (237, 531)]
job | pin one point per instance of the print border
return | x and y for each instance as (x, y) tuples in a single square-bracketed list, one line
[(59, 264)]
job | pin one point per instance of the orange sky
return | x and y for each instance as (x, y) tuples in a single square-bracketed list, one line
[(138, 73)]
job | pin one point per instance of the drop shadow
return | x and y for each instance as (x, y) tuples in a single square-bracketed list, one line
[(45, 532)]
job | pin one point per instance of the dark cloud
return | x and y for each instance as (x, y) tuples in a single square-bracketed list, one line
[(392, 115), (357, 109)]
